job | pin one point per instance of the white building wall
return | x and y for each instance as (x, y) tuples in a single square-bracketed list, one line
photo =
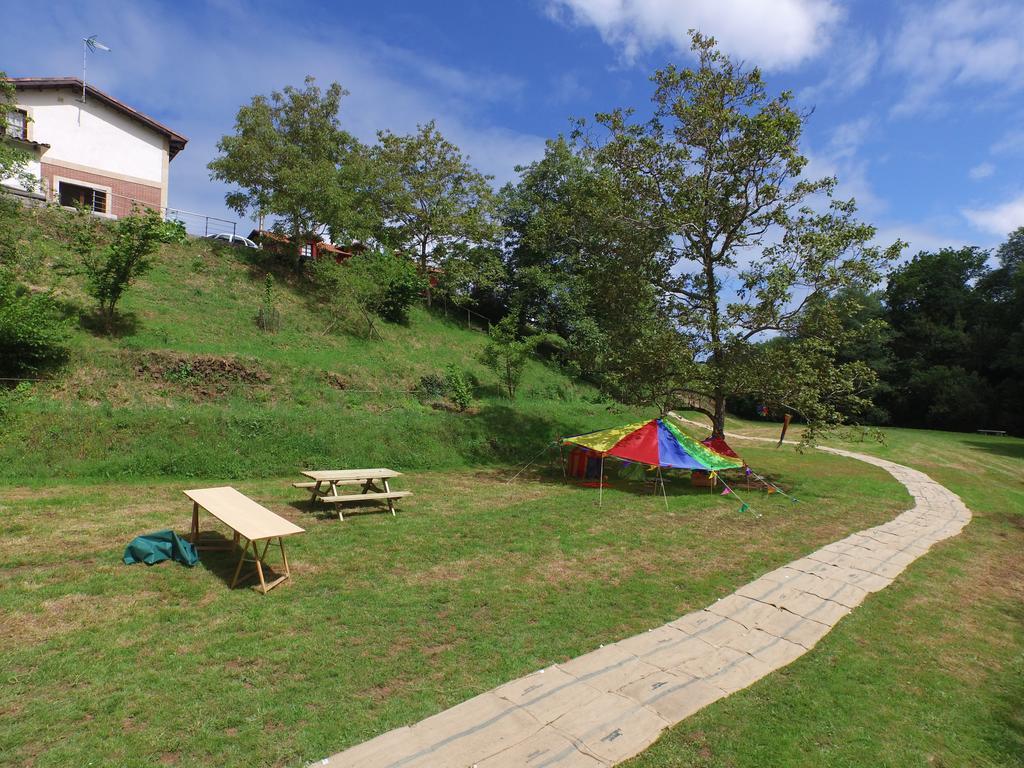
[(93, 135), (34, 167)]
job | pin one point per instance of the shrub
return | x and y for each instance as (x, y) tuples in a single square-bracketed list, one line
[(506, 354), (172, 231), (391, 284), (268, 318), (9, 398), (109, 271), (32, 331), (458, 388), (431, 387), (372, 284)]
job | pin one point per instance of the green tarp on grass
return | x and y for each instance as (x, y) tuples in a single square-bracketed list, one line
[(153, 548)]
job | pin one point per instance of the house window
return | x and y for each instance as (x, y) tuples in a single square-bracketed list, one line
[(17, 124), (78, 196), (306, 251)]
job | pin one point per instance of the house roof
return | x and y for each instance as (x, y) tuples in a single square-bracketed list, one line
[(176, 141), (322, 245)]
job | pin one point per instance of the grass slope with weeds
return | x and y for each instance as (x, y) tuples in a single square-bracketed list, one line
[(387, 620), (929, 672), (189, 386)]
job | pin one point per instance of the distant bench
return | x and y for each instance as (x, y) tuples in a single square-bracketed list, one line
[(324, 486), (999, 432)]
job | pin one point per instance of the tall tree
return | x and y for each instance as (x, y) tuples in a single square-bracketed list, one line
[(429, 196), (290, 157), (578, 267), (944, 315), (748, 246)]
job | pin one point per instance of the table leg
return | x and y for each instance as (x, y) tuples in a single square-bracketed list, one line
[(241, 560), (259, 563), (287, 570), (316, 490), (334, 492), (391, 502), (194, 533)]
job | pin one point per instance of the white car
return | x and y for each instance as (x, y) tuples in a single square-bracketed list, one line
[(227, 237)]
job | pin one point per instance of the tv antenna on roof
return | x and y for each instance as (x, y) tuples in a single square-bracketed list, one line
[(89, 44)]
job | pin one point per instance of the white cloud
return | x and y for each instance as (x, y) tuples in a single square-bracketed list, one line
[(774, 35), (841, 158), (918, 237), (958, 43), (1010, 143), (193, 74), (852, 61), (981, 171), (998, 219)]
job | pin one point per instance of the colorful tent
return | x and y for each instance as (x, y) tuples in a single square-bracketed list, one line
[(718, 445), (657, 443)]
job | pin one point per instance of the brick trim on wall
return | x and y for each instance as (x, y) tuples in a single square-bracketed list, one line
[(122, 192)]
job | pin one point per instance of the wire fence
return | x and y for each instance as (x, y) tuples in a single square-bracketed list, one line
[(473, 320)]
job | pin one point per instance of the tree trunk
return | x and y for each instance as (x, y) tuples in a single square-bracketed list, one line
[(718, 420), (423, 268)]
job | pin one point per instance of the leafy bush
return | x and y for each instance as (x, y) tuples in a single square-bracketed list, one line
[(11, 397), (458, 388), (431, 387), (391, 284), (268, 318), (110, 270), (172, 231), (506, 354), (372, 284), (32, 331)]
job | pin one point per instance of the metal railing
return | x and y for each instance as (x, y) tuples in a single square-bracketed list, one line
[(198, 224)]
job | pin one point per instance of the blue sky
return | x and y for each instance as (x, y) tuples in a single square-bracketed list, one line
[(917, 105)]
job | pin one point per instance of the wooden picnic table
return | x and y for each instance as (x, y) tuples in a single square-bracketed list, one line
[(324, 486), (248, 520)]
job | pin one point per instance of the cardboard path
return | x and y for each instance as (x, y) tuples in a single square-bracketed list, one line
[(609, 705)]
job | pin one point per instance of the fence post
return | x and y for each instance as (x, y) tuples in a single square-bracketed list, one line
[(206, 226), (469, 322)]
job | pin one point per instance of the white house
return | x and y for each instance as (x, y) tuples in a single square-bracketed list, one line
[(99, 152)]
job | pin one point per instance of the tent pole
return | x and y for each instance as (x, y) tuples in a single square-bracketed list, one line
[(661, 482), (600, 485), (561, 460)]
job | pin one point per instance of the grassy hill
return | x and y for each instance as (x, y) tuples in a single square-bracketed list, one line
[(189, 386)]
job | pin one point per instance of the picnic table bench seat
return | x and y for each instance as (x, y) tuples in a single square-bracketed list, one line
[(365, 496)]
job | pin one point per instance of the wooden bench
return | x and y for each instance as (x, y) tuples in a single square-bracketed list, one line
[(247, 520), (366, 496), (997, 432)]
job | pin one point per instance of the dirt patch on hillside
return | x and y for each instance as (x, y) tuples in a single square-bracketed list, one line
[(205, 377)]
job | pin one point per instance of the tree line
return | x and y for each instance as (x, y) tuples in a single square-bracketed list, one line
[(655, 257)]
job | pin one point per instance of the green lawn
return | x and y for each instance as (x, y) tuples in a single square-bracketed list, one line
[(387, 620), (929, 672), (476, 582)]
